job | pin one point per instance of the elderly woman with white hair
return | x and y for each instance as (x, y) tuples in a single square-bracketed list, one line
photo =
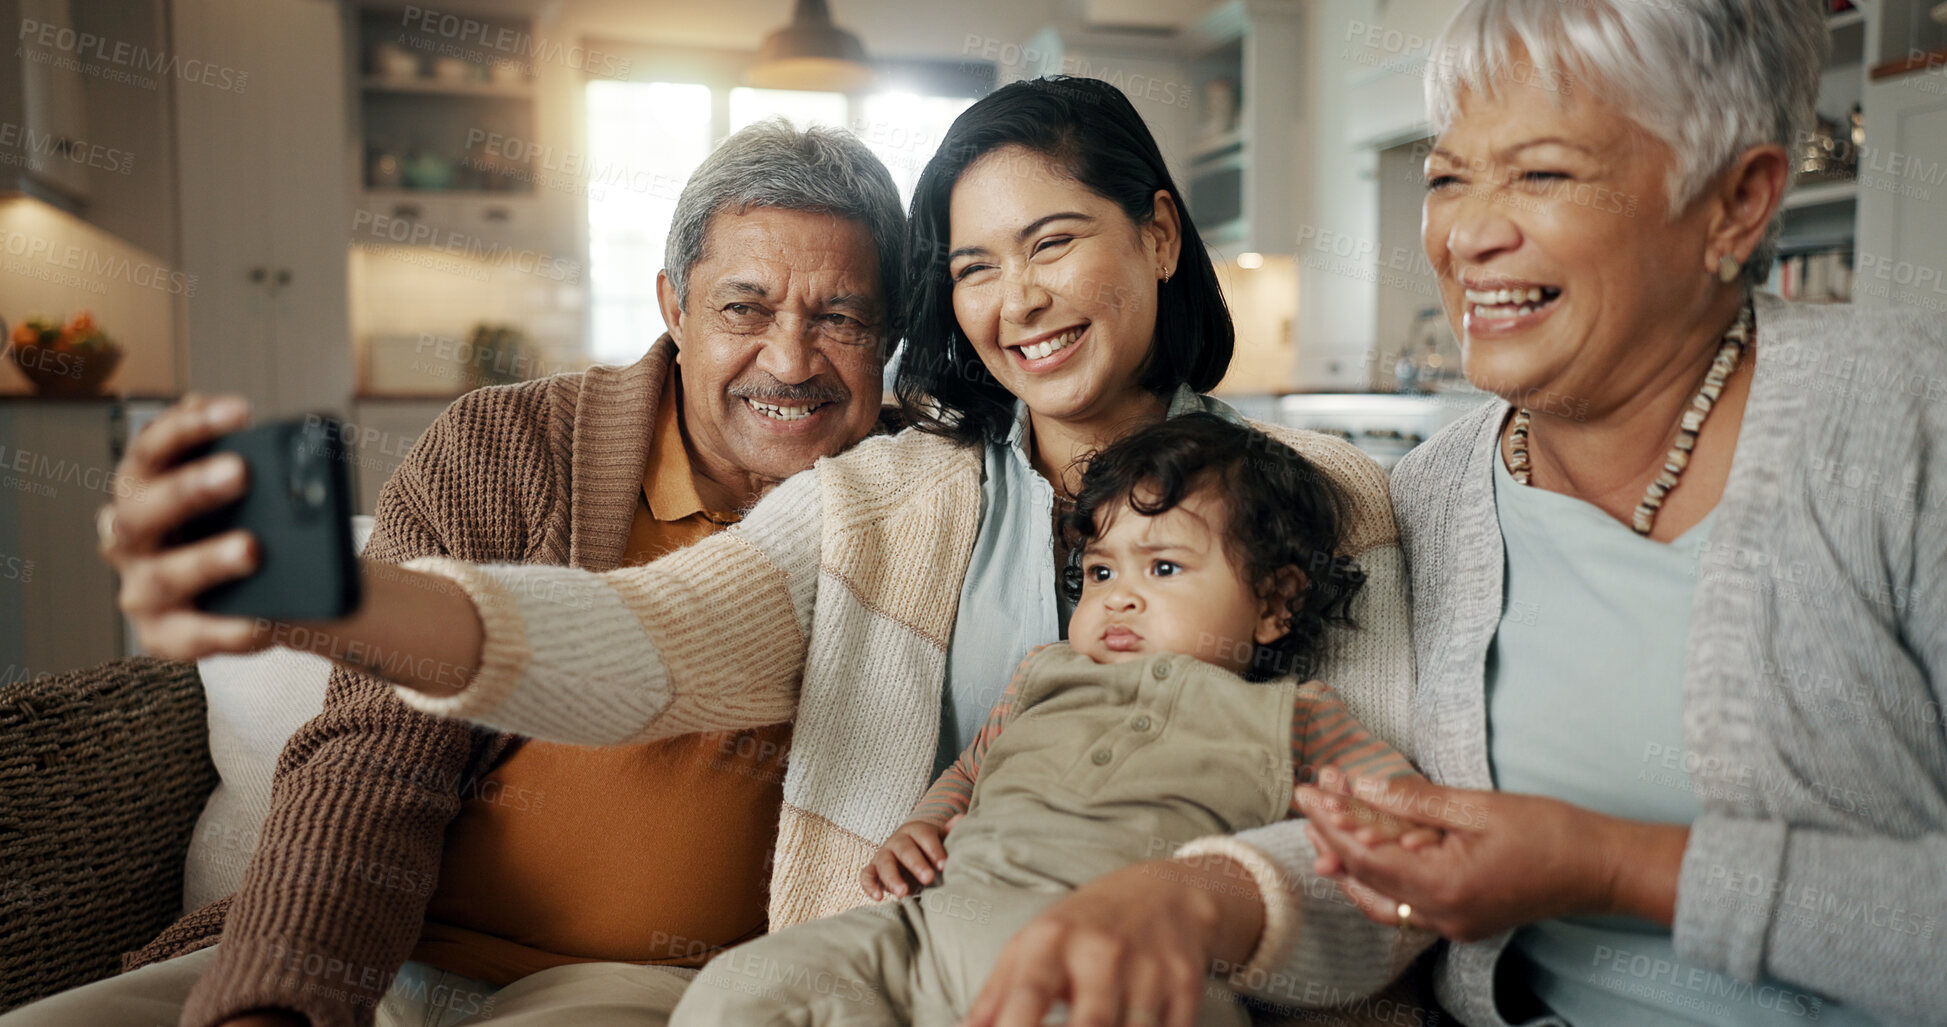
[(1679, 619)]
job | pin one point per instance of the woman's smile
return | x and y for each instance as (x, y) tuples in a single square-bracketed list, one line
[(1500, 308), (1047, 351)]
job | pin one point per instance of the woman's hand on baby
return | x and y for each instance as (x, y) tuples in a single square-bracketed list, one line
[(1130, 947), (1502, 860), (917, 848)]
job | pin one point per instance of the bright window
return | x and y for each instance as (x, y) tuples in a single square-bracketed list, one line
[(644, 140), (800, 107), (904, 130), (658, 132)]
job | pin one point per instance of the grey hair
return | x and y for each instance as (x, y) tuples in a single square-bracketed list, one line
[(1710, 78), (771, 164)]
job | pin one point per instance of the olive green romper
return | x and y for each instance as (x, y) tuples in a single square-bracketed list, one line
[(1103, 765)]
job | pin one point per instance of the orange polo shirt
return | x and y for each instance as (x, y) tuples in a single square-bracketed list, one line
[(655, 853)]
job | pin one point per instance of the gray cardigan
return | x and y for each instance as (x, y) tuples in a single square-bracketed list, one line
[(1814, 674)]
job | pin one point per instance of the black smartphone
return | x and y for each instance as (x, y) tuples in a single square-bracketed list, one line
[(299, 506)]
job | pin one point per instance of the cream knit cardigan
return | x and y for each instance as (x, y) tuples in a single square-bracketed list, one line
[(832, 604)]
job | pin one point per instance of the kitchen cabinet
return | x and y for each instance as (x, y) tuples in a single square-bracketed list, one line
[(84, 114), (266, 204), (1820, 220), (1222, 96), (450, 146), (1145, 65), (1877, 237), (1249, 98), (51, 101), (382, 433), (1902, 247), (57, 597)]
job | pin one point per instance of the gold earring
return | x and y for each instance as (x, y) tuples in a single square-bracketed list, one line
[(1728, 268), (1166, 276)]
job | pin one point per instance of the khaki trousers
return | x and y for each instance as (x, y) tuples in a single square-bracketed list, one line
[(917, 962), (583, 994), (1103, 766)]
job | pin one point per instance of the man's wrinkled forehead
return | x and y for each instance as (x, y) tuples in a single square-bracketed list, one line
[(763, 253)]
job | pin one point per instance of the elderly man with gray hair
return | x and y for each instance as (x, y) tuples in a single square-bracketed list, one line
[(414, 870)]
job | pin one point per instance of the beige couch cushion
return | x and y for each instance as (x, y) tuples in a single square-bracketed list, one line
[(256, 703)]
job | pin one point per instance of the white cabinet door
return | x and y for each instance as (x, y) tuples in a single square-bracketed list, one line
[(222, 161), (57, 597), (266, 203), (310, 214), (1902, 247)]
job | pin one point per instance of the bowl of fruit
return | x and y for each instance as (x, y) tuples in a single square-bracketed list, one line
[(71, 359)]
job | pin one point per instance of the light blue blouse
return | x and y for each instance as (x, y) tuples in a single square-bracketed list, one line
[(1585, 704), (1011, 601)]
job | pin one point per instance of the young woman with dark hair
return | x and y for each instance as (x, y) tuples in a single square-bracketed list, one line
[(1086, 132), (1064, 300)]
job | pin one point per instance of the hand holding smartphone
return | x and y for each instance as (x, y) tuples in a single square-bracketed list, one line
[(298, 505)]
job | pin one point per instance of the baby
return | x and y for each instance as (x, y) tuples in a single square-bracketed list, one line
[(1174, 711)]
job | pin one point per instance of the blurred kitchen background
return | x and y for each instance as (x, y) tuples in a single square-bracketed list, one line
[(369, 207)]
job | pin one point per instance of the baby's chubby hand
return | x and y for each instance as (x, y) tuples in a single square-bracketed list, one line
[(916, 849)]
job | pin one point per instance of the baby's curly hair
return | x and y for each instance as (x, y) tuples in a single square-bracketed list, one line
[(1283, 513)]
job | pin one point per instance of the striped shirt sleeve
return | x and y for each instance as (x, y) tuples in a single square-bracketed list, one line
[(1324, 733)]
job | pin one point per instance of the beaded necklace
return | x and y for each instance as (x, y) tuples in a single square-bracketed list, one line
[(1728, 352)]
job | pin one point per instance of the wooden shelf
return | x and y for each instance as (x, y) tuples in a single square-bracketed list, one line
[(438, 87), (1819, 194), (1845, 19), (1907, 65), (377, 196)]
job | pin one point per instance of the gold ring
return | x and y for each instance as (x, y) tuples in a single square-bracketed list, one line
[(1405, 916), (105, 525)]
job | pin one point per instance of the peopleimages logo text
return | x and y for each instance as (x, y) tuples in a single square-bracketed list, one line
[(120, 53), (91, 264), (502, 41)]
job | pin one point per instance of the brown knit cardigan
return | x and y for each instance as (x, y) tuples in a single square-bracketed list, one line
[(541, 472)]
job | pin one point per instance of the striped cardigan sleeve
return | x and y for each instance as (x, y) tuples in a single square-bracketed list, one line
[(708, 638)]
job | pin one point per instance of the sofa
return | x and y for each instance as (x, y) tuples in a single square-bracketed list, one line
[(130, 793), (133, 792), (103, 774)]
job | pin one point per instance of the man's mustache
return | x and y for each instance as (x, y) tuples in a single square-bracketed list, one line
[(776, 392)]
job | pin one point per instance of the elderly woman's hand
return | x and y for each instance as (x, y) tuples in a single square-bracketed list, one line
[(155, 493), (1502, 860), (1131, 947)]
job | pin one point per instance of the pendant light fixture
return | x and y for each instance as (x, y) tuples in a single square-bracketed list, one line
[(811, 53)]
